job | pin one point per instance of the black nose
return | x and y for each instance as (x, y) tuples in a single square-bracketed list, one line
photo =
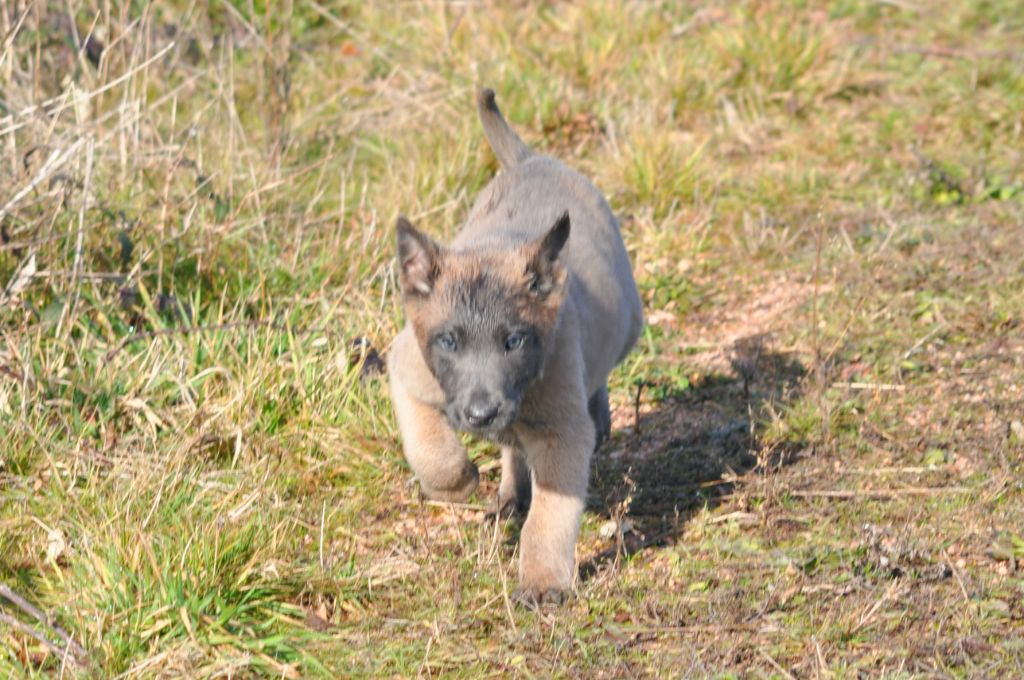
[(480, 413)]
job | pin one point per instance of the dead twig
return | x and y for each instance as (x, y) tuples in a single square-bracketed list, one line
[(455, 506), (20, 281), (744, 518), (707, 629), (71, 650), (32, 632), (76, 269), (878, 387), (58, 104), (775, 664), (56, 159), (959, 579), (876, 494), (636, 406), (880, 471), (867, 616), (956, 53)]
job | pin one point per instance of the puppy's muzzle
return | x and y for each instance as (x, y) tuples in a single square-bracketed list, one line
[(480, 413)]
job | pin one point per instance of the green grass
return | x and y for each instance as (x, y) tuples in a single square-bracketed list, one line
[(823, 202)]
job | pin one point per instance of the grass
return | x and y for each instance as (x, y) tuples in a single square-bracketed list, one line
[(818, 441)]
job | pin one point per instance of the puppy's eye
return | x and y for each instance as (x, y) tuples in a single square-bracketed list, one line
[(513, 342), (447, 342)]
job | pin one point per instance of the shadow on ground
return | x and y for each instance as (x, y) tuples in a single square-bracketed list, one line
[(688, 452)]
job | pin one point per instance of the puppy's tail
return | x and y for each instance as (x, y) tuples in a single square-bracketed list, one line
[(508, 147)]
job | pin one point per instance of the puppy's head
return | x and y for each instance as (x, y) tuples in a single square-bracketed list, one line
[(483, 319)]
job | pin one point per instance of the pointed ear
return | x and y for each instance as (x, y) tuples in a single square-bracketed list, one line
[(545, 270), (418, 259)]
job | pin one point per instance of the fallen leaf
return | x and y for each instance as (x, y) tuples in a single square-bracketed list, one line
[(611, 527), (55, 545), (1017, 430), (316, 622), (659, 317)]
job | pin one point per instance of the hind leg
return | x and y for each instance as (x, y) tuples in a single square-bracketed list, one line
[(514, 492), (601, 414)]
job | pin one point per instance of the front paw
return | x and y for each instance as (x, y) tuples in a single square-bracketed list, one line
[(458, 490), (535, 598)]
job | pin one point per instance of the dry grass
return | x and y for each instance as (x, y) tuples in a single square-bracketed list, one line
[(819, 442)]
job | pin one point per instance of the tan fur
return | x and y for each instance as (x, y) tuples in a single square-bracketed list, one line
[(590, 317), (431, 446)]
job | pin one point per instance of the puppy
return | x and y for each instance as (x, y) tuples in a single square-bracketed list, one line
[(511, 333)]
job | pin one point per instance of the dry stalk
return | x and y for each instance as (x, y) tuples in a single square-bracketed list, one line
[(71, 650)]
